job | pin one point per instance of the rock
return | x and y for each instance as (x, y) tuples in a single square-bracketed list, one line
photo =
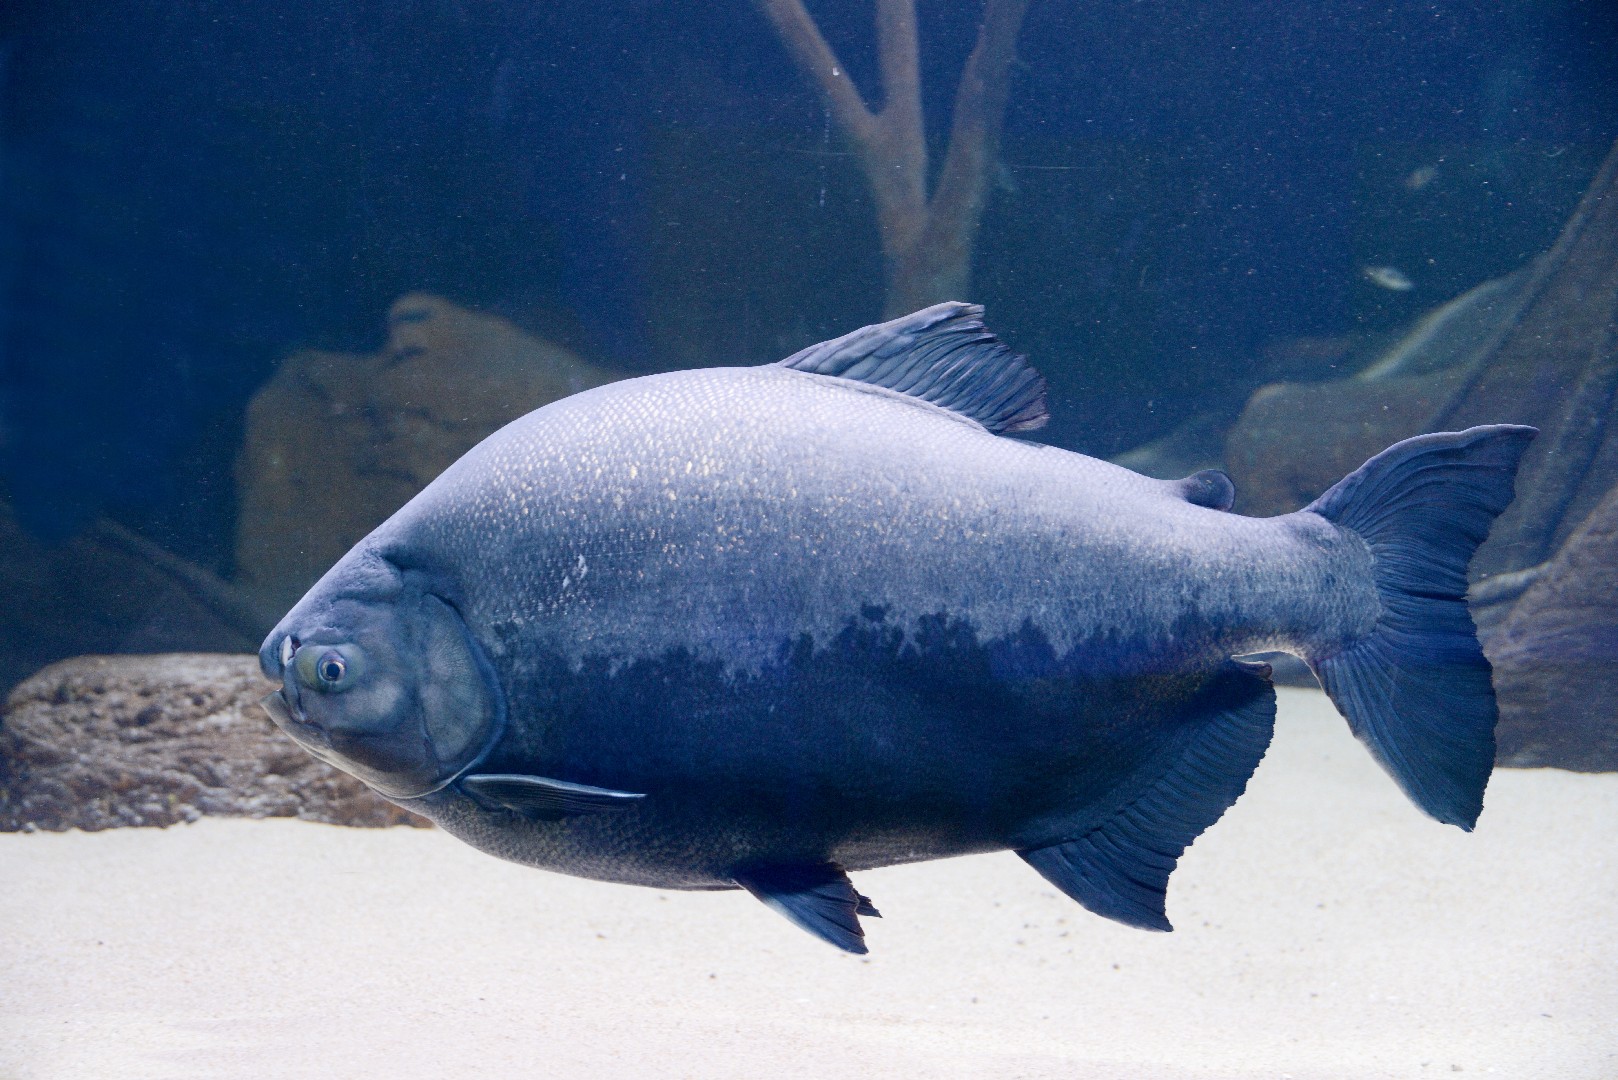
[(1544, 594), (1193, 446), (1555, 656), (1555, 366), (107, 590), (99, 742), (1536, 347), (1295, 440), (1455, 334), (336, 442)]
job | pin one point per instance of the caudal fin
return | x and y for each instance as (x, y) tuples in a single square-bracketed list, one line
[(1417, 690)]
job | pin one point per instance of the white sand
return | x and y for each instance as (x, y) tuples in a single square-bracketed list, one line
[(1326, 930)]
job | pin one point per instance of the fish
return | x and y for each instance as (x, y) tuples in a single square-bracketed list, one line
[(763, 627), (1005, 179), (1453, 333), (1420, 177), (1388, 277)]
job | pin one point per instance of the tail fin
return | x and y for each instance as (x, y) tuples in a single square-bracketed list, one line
[(1416, 690)]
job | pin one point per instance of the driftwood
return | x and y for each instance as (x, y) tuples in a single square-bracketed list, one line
[(926, 241), (108, 590)]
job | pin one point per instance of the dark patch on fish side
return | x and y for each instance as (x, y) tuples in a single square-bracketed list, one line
[(879, 746)]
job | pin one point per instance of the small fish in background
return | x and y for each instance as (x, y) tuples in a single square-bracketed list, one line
[(1388, 277), (758, 628), (1006, 180), (1420, 178)]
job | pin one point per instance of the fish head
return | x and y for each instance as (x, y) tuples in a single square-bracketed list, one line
[(381, 678)]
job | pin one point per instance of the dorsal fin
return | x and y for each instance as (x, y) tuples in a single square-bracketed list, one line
[(942, 354), (1210, 487)]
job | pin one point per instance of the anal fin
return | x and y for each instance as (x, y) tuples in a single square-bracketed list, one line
[(1121, 868), (817, 898)]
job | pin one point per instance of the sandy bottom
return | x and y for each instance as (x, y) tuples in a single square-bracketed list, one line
[(1326, 930)]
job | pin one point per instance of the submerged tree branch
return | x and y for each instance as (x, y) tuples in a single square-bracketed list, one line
[(980, 111), (899, 55), (803, 40), (926, 243)]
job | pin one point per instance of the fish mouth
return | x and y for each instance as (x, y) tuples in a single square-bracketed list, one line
[(305, 734), (276, 705)]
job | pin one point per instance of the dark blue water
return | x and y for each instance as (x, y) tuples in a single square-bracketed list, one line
[(192, 191)]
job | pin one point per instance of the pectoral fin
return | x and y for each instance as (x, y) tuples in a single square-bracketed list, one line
[(820, 899), (542, 797)]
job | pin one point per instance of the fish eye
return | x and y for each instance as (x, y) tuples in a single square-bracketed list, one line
[(331, 668)]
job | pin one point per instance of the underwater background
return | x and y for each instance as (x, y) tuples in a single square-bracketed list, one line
[(267, 269), (1185, 200)]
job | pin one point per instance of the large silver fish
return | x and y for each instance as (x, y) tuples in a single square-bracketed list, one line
[(759, 627)]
